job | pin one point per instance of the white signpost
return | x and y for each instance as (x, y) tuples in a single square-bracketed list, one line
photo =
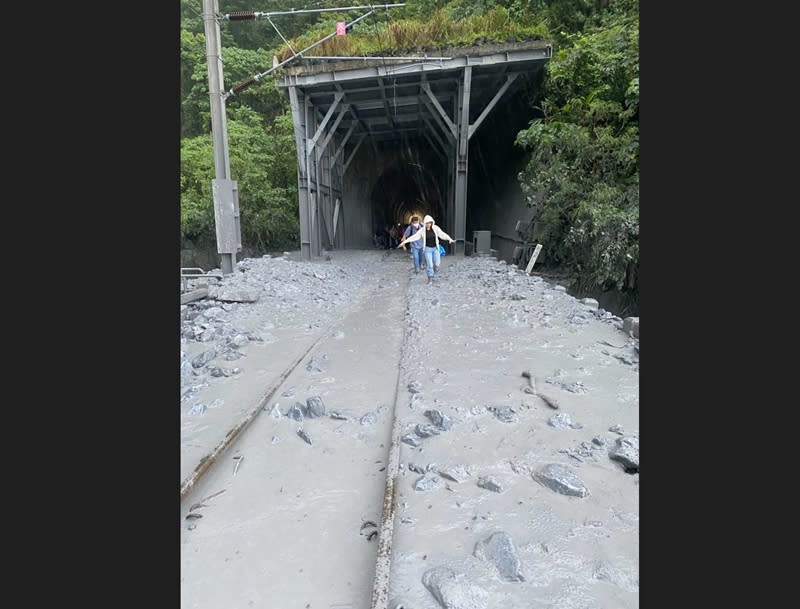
[(532, 261)]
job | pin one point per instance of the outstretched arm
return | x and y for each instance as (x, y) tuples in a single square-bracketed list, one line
[(443, 235), (414, 237)]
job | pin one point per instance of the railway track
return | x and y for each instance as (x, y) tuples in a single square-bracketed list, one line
[(340, 463)]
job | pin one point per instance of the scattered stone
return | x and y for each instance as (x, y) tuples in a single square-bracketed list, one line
[(454, 591), (438, 418), (297, 412), (212, 312), (415, 387), (517, 297), (456, 473), (626, 452), (506, 414), (616, 429), (490, 484), (599, 441), (275, 413), (305, 436), (368, 419), (416, 468), (289, 392), (255, 337), (232, 354), (201, 360), (563, 421), (559, 288), (335, 414), (197, 410), (426, 431), (215, 371), (426, 483), (275, 439), (561, 479), (240, 340), (411, 440), (590, 302), (314, 407), (316, 363), (499, 550)]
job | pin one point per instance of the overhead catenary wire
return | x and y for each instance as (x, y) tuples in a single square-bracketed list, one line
[(252, 15)]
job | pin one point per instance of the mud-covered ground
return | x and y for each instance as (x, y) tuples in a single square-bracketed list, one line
[(513, 491)]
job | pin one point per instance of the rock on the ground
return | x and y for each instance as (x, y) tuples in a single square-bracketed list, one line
[(499, 550), (415, 387), (297, 412), (626, 452), (490, 484), (506, 414), (426, 483), (438, 418), (563, 421), (368, 419), (411, 440), (426, 431), (315, 407), (590, 302), (561, 479), (454, 591), (197, 410), (240, 340), (456, 473), (201, 360)]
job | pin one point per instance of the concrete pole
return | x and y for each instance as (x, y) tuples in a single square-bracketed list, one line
[(219, 125)]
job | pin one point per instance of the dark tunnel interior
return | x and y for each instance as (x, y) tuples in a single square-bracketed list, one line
[(412, 185)]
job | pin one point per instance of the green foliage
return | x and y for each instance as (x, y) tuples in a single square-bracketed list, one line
[(583, 174), (262, 162)]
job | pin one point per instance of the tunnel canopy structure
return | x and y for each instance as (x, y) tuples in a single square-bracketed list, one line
[(402, 127)]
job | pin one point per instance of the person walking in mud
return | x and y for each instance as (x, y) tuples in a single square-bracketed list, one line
[(416, 246), (430, 235)]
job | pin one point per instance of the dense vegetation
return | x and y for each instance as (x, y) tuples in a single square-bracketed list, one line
[(583, 173)]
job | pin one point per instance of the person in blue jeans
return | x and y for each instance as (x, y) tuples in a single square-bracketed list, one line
[(416, 246), (429, 235)]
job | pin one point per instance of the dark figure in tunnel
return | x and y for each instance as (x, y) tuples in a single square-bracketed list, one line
[(417, 246)]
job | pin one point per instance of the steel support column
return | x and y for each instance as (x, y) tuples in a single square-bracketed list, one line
[(297, 103), (462, 163)]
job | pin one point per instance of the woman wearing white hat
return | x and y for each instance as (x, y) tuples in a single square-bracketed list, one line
[(430, 234)]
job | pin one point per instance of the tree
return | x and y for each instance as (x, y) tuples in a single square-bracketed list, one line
[(583, 174)]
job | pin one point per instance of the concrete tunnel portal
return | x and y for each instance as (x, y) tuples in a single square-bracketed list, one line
[(380, 140)]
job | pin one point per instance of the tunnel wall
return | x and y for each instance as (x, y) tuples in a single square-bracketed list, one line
[(495, 201)]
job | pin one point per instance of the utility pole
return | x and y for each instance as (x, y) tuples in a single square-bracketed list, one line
[(226, 204)]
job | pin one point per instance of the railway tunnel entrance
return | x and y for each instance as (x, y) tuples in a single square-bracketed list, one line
[(410, 186), (381, 139)]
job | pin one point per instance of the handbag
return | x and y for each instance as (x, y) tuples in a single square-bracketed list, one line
[(442, 251)]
